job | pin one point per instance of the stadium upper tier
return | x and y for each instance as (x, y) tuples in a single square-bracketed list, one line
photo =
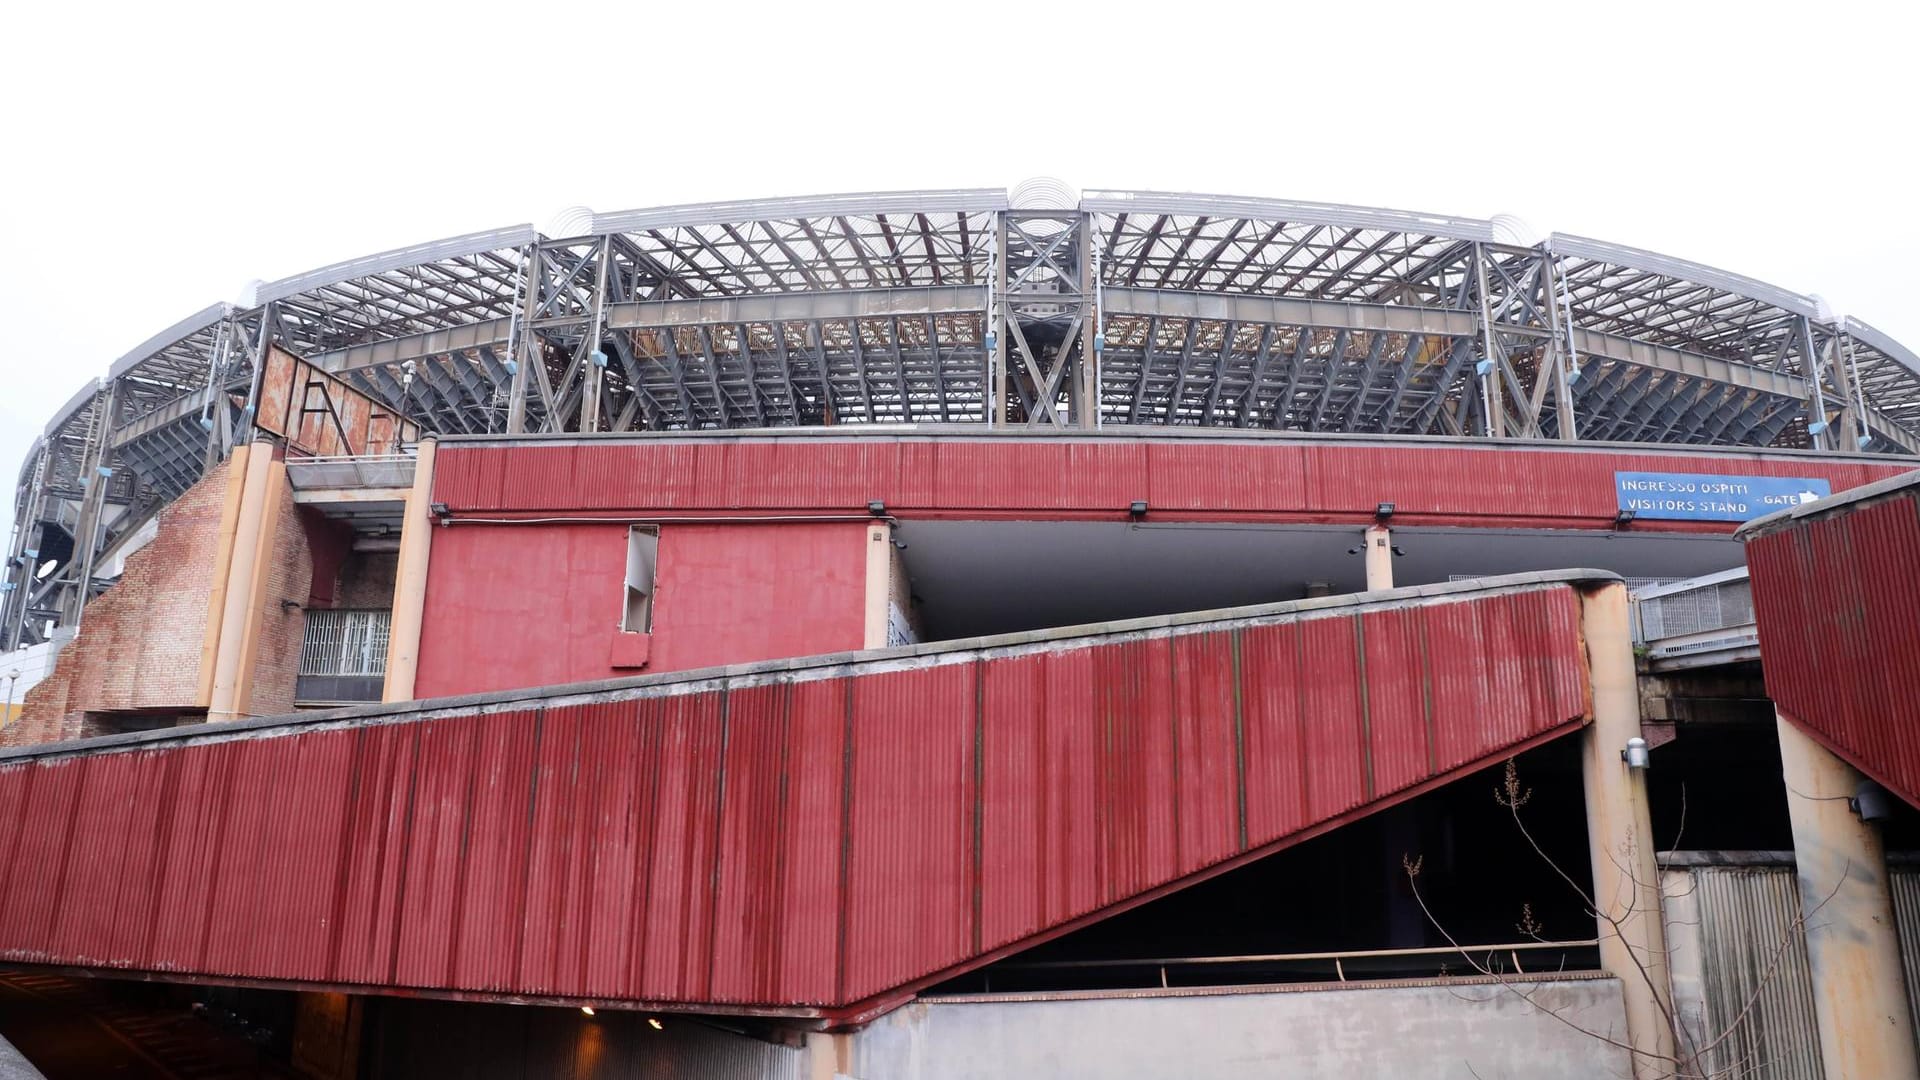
[(1040, 307)]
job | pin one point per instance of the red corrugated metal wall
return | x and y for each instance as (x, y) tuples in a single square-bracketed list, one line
[(810, 838), (539, 604), (1437, 483), (1837, 600)]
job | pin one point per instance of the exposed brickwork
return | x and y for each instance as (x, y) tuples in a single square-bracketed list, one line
[(136, 661), (283, 626), (366, 580), (139, 643)]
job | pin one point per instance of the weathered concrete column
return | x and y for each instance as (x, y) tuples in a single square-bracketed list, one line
[(410, 579), (1379, 545), (879, 583), (1626, 875), (222, 567), (1853, 949), (253, 525)]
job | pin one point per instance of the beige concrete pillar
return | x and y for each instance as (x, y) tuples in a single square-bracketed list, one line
[(252, 527), (829, 1055), (1626, 875), (1379, 552), (222, 567), (410, 579), (879, 583), (1853, 948)]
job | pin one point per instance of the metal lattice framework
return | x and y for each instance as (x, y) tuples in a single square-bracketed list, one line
[(971, 307)]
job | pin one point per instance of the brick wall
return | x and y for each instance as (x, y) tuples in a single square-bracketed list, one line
[(366, 580), (283, 626), (136, 660), (139, 643)]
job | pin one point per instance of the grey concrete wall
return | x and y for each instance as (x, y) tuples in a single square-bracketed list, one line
[(1453, 1031), (15, 1066)]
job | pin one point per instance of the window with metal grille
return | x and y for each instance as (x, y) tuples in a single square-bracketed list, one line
[(346, 642)]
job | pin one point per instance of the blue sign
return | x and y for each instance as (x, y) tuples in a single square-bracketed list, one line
[(1698, 497)]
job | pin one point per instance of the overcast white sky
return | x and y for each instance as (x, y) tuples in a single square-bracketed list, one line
[(153, 159)]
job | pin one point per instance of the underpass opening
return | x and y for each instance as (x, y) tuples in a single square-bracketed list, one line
[(1341, 906)]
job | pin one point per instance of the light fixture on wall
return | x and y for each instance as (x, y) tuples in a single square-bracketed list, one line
[(1871, 802), (1635, 754), (1383, 511), (1137, 509), (877, 508)]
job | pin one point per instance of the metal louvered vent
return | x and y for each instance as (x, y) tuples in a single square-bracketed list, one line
[(1715, 606)]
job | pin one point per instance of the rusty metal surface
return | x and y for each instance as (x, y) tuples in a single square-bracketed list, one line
[(1837, 601), (1758, 989), (1204, 478), (810, 838)]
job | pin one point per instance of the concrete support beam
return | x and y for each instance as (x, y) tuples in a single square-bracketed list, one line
[(1379, 554), (260, 575), (879, 582), (1853, 949), (1626, 876), (222, 570), (410, 579), (251, 530)]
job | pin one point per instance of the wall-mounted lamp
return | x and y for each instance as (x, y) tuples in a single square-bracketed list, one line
[(439, 509), (1383, 511), (1635, 755), (877, 508), (287, 605), (1623, 519), (654, 1023), (1871, 802), (586, 1010), (1137, 509), (1398, 550)]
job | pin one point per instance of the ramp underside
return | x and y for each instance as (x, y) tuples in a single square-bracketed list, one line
[(809, 837), (1837, 602)]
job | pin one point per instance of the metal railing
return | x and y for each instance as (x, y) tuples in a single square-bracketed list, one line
[(344, 657), (1698, 622), (1431, 960)]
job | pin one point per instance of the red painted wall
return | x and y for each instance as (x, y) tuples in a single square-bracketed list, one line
[(1062, 477), (1837, 602), (801, 839), (511, 606)]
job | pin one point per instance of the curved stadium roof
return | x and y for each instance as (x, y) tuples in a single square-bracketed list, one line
[(1129, 308)]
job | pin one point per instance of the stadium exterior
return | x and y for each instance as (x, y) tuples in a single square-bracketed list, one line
[(963, 307), (966, 633)]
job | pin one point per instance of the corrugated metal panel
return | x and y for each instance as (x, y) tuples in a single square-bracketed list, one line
[(1905, 885), (1066, 475), (805, 839), (1837, 601), (1760, 1018)]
